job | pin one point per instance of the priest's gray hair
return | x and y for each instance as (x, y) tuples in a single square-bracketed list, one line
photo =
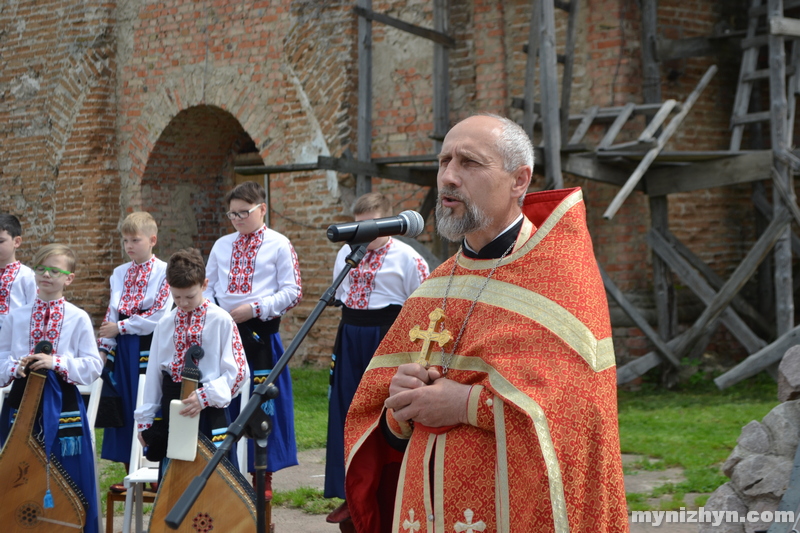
[(514, 145)]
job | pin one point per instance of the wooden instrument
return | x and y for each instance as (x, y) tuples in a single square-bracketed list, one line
[(23, 475), (227, 502)]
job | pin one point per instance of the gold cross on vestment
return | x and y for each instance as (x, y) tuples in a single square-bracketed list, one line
[(470, 526), (410, 524), (430, 336)]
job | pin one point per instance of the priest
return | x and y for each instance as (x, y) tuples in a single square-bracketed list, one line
[(491, 403)]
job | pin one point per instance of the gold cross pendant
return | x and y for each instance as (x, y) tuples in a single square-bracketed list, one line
[(430, 336)]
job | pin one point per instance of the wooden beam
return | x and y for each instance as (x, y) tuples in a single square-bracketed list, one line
[(441, 76), (640, 365), (735, 283), (425, 177), (615, 128), (549, 87), (744, 168), (638, 319), (784, 27), (529, 106), (662, 141), (583, 127), (588, 166), (741, 305), (258, 170), (426, 33), (566, 74), (760, 360), (687, 47), (364, 112), (738, 328)]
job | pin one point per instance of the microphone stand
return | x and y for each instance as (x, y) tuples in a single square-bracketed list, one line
[(265, 391)]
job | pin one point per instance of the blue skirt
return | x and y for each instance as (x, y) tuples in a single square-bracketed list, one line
[(360, 332), (281, 443), (117, 440)]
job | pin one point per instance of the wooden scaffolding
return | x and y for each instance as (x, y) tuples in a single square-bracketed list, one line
[(639, 165)]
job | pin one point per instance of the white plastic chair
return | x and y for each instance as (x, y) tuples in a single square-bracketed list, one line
[(141, 473), (241, 446), (93, 392)]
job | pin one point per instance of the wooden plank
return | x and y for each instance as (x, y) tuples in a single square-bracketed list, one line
[(784, 27), (549, 88), (760, 360), (429, 203), (583, 127), (364, 112), (672, 157), (663, 287), (784, 297), (744, 89), (652, 128), (758, 9), (258, 170), (744, 168), (615, 128), (686, 47), (765, 208), (643, 364), (566, 74), (529, 112), (638, 319), (426, 33), (588, 166), (738, 328), (741, 305), (441, 76), (750, 118), (789, 199), (662, 141), (425, 177), (735, 283)]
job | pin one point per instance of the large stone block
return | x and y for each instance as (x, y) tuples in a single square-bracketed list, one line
[(724, 499), (789, 375), (755, 437), (783, 423), (762, 476)]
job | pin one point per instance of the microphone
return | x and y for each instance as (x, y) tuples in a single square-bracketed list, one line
[(408, 223)]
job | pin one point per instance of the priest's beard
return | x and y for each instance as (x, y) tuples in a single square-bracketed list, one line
[(453, 227)]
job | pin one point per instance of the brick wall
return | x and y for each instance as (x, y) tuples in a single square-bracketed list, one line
[(106, 109)]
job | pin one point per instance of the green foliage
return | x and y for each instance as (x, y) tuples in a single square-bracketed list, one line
[(694, 426), (307, 499), (310, 390)]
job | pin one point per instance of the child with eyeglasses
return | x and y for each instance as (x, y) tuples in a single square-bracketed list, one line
[(253, 274), (17, 283), (74, 360), (140, 297)]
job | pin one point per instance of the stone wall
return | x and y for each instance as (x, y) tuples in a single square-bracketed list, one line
[(106, 108)]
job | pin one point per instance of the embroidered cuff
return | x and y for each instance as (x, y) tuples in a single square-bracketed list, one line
[(256, 309), (121, 326), (401, 430), (14, 367), (479, 411), (59, 368), (105, 346), (141, 426), (202, 396)]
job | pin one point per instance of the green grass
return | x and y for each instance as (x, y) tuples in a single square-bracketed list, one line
[(306, 499), (694, 426), (310, 389)]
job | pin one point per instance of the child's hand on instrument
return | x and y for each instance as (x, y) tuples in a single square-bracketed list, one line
[(193, 407)]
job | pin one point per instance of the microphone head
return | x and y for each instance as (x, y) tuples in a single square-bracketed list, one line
[(414, 221)]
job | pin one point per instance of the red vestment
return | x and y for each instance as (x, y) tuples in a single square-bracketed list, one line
[(541, 452)]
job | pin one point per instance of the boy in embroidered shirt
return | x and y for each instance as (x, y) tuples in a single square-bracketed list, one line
[(140, 297), (17, 283), (371, 296), (254, 275), (195, 321), (74, 360)]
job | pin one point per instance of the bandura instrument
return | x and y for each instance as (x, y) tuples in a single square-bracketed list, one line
[(23, 475), (227, 502)]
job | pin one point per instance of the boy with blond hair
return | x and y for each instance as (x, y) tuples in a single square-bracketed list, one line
[(17, 283), (74, 360), (140, 297)]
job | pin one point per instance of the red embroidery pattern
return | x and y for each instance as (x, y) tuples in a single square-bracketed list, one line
[(362, 279), (7, 277), (241, 359), (134, 287), (422, 268), (243, 261), (161, 299), (56, 320), (188, 332)]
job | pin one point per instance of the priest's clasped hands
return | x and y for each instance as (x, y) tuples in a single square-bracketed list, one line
[(425, 396)]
